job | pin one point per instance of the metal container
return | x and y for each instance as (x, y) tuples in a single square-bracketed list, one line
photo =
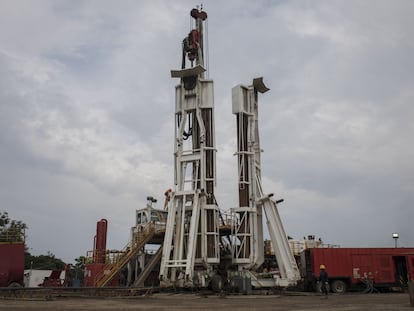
[(11, 264), (411, 292), (351, 267)]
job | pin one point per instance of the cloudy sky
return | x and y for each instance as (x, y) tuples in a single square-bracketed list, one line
[(87, 104)]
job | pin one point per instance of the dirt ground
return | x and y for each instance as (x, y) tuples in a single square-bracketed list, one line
[(392, 301)]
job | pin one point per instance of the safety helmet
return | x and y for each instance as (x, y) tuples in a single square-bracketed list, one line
[(322, 267)]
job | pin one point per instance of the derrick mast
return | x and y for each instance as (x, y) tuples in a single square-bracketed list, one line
[(191, 243), (249, 253), (247, 249)]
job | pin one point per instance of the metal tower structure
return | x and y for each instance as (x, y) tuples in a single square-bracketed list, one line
[(191, 243), (247, 248)]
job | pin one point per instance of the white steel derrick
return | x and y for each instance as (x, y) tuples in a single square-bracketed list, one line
[(247, 245), (248, 251), (191, 243), (192, 238)]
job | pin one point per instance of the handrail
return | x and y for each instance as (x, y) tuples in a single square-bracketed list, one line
[(111, 269), (12, 235)]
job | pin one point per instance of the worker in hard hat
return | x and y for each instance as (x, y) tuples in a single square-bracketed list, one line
[(323, 279)]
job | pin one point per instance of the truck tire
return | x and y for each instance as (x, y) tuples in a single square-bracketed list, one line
[(338, 287), (15, 285)]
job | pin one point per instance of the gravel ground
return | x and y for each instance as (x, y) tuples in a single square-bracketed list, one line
[(171, 302)]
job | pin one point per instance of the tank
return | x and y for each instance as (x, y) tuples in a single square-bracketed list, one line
[(100, 241), (11, 264)]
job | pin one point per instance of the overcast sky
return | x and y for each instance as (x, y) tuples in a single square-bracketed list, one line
[(87, 105)]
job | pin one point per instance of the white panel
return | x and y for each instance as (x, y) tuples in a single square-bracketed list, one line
[(178, 98), (190, 103), (207, 93), (239, 98)]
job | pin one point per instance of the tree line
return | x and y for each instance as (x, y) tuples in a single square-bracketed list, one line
[(14, 231)]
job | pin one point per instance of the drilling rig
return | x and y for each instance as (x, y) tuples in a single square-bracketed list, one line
[(191, 244), (191, 255)]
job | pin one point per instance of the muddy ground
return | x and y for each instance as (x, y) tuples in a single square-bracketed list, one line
[(390, 301)]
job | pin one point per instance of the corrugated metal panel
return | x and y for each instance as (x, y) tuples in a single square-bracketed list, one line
[(372, 263)]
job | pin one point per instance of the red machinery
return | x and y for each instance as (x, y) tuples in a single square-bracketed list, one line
[(358, 268), (98, 261), (99, 248), (193, 43), (11, 264), (55, 280)]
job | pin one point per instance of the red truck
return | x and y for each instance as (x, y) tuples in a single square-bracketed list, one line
[(11, 264), (365, 269)]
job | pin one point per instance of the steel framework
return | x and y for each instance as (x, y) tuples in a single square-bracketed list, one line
[(247, 248), (191, 249), (191, 244)]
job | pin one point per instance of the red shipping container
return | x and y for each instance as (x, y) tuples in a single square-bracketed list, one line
[(11, 264), (353, 267)]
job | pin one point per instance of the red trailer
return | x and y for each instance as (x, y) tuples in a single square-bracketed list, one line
[(359, 268), (11, 264)]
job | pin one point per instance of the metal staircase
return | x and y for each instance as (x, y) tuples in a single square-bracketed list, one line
[(112, 269), (148, 268)]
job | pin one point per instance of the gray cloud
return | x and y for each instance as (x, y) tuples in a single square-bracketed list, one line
[(87, 103)]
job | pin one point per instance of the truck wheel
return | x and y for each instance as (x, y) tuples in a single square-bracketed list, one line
[(15, 285), (338, 287)]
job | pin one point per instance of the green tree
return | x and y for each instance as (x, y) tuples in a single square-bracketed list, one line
[(43, 262), (11, 231), (78, 269)]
